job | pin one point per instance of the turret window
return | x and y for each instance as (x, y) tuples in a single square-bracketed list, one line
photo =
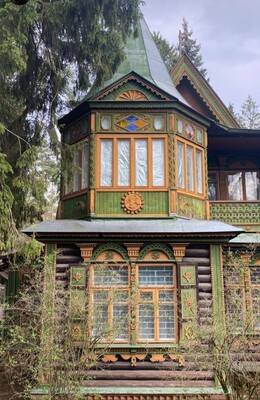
[(132, 162), (190, 171), (76, 177)]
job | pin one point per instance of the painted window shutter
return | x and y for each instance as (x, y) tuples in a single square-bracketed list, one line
[(189, 306), (78, 306)]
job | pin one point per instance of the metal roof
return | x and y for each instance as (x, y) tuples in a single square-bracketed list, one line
[(143, 57), (247, 238), (137, 226)]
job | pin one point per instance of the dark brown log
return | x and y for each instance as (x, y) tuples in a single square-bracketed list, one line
[(196, 260), (197, 252), (204, 287), (149, 375)]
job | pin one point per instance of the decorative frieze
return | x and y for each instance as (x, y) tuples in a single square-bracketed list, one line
[(239, 213), (86, 250)]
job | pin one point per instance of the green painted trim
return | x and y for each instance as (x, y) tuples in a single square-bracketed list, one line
[(156, 246), (110, 246), (140, 390), (109, 203), (217, 288)]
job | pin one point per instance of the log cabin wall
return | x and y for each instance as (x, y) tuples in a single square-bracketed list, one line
[(148, 367)]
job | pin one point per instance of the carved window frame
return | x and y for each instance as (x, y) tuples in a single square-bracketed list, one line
[(188, 144), (132, 138)]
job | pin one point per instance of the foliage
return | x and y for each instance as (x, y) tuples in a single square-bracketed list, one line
[(229, 348), (186, 45), (29, 357), (168, 52), (49, 53), (190, 47), (231, 109), (250, 114)]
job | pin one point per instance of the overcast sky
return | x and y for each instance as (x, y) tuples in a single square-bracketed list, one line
[(229, 34)]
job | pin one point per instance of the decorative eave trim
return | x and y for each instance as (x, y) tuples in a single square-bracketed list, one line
[(185, 68), (131, 77)]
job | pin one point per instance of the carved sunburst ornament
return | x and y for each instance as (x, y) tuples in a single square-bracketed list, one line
[(132, 202), (132, 95)]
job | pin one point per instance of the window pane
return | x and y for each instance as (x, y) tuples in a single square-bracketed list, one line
[(255, 275), (76, 171), (212, 187), (180, 160), (108, 276), (85, 166), (146, 321), (67, 184), (158, 162), (199, 170), (155, 276), (256, 306), (123, 162), (100, 314), (190, 168), (106, 162), (120, 321), (234, 181), (252, 186), (141, 162), (166, 321)]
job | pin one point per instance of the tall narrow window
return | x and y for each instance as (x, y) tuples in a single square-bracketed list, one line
[(110, 299), (199, 173), (190, 168), (158, 162), (252, 186), (85, 166), (255, 294), (106, 162), (141, 162), (180, 160), (156, 310), (123, 162), (212, 186), (235, 188), (76, 171)]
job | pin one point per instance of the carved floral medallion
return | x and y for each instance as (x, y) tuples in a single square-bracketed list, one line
[(132, 202)]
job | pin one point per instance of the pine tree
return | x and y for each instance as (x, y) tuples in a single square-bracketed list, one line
[(168, 52), (233, 112), (45, 48), (250, 114), (190, 47)]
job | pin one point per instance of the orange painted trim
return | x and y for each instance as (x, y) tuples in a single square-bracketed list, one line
[(114, 138)]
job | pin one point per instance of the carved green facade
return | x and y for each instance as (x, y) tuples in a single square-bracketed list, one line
[(239, 213), (191, 207)]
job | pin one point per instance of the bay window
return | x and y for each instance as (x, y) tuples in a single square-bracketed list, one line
[(131, 162), (189, 166)]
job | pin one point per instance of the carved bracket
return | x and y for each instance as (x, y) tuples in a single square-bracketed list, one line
[(179, 250), (133, 250), (86, 250)]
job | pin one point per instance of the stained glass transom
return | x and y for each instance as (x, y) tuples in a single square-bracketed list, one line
[(132, 123)]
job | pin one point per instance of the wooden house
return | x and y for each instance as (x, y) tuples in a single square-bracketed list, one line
[(162, 181)]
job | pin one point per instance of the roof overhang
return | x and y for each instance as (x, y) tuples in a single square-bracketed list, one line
[(116, 229)]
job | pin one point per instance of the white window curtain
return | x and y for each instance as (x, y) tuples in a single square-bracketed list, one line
[(106, 162), (190, 168), (180, 164), (141, 162), (123, 162), (199, 171), (235, 189), (252, 186), (158, 162)]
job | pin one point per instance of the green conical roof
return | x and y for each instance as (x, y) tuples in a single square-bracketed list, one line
[(143, 57)]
